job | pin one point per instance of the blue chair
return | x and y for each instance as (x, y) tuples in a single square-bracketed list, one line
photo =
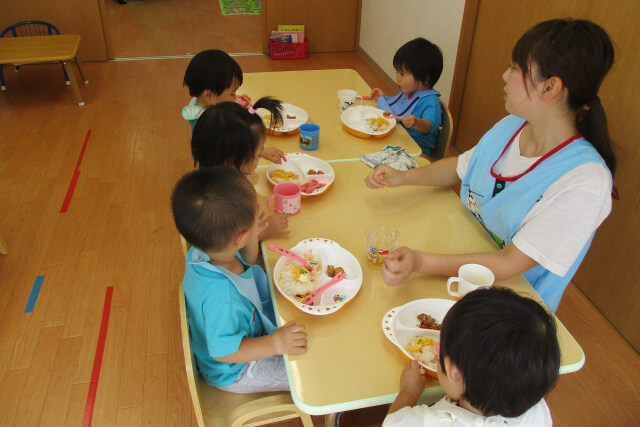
[(31, 28)]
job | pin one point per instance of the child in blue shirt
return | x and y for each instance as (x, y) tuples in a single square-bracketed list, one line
[(499, 357), (231, 318), (418, 65), (213, 76)]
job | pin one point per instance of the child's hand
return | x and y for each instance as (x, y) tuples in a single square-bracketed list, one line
[(412, 380), (376, 93), (244, 100), (383, 176), (290, 338), (399, 265), (273, 155), (409, 121), (277, 225)]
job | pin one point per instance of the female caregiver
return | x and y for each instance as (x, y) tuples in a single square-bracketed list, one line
[(540, 181)]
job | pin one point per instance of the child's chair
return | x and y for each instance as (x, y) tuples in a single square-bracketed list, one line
[(443, 140), (32, 28), (214, 407)]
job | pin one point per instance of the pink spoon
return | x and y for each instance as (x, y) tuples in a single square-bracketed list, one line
[(365, 96), (286, 252), (393, 117), (311, 298)]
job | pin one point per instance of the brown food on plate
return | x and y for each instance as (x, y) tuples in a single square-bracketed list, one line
[(311, 172), (332, 271), (290, 116), (428, 322)]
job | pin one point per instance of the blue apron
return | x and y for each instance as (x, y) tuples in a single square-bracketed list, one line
[(403, 104), (501, 206), (255, 289)]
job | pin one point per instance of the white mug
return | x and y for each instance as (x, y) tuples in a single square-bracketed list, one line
[(470, 277), (346, 98)]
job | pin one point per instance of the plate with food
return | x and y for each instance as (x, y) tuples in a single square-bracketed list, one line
[(313, 175), (415, 329), (365, 121), (292, 118), (326, 259)]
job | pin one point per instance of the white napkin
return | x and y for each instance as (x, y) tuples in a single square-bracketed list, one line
[(391, 155)]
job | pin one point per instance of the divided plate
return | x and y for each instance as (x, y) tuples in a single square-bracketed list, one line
[(400, 324), (337, 296), (354, 120), (300, 164)]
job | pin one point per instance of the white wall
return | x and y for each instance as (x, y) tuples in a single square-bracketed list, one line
[(388, 24)]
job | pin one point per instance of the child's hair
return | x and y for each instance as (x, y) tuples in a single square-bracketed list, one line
[(229, 134), (211, 206), (422, 59), (580, 53), (505, 346), (211, 69)]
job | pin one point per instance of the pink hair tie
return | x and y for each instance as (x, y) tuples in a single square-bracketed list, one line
[(251, 110)]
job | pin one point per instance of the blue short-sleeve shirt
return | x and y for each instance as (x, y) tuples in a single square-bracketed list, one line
[(219, 318)]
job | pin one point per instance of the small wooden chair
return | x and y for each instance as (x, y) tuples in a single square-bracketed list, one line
[(443, 140), (214, 407)]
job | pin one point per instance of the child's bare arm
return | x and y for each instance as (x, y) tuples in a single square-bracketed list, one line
[(290, 338), (411, 387), (421, 125)]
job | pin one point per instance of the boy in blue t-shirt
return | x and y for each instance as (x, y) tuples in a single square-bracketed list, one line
[(231, 319), (418, 65)]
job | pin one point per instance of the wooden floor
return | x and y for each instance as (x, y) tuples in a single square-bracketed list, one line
[(118, 232), (178, 27)]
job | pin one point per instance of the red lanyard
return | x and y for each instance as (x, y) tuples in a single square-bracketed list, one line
[(533, 166)]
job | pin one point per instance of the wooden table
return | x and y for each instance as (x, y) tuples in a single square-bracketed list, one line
[(350, 364), (315, 91), (30, 49)]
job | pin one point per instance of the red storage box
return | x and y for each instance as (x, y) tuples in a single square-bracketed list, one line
[(279, 50)]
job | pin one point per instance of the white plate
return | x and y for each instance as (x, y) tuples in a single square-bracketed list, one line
[(400, 324), (355, 120), (334, 298), (288, 125), (300, 164)]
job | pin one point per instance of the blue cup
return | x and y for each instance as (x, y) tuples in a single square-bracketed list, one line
[(309, 136)]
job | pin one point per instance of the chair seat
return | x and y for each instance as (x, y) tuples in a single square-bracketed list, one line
[(218, 405)]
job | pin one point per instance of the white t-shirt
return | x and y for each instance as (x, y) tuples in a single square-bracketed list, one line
[(447, 413), (556, 229)]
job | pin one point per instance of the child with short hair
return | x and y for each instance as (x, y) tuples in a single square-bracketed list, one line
[(229, 134), (213, 76), (231, 319), (499, 357), (418, 65)]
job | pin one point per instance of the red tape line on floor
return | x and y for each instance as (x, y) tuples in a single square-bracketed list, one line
[(97, 360), (76, 175)]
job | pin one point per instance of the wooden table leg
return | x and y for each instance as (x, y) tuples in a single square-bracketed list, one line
[(84, 79), (74, 82), (330, 420), (3, 247)]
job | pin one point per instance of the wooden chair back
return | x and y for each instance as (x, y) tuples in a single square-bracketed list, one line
[(443, 140)]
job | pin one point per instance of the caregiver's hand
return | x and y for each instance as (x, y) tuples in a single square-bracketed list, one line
[(383, 176), (399, 265)]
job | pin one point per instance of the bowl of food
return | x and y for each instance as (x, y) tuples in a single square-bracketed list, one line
[(365, 121), (292, 118), (313, 175), (326, 259), (414, 329)]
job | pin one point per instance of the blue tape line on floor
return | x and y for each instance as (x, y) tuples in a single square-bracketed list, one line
[(35, 291)]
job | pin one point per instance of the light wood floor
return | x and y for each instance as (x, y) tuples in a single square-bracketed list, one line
[(118, 232), (178, 27)]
